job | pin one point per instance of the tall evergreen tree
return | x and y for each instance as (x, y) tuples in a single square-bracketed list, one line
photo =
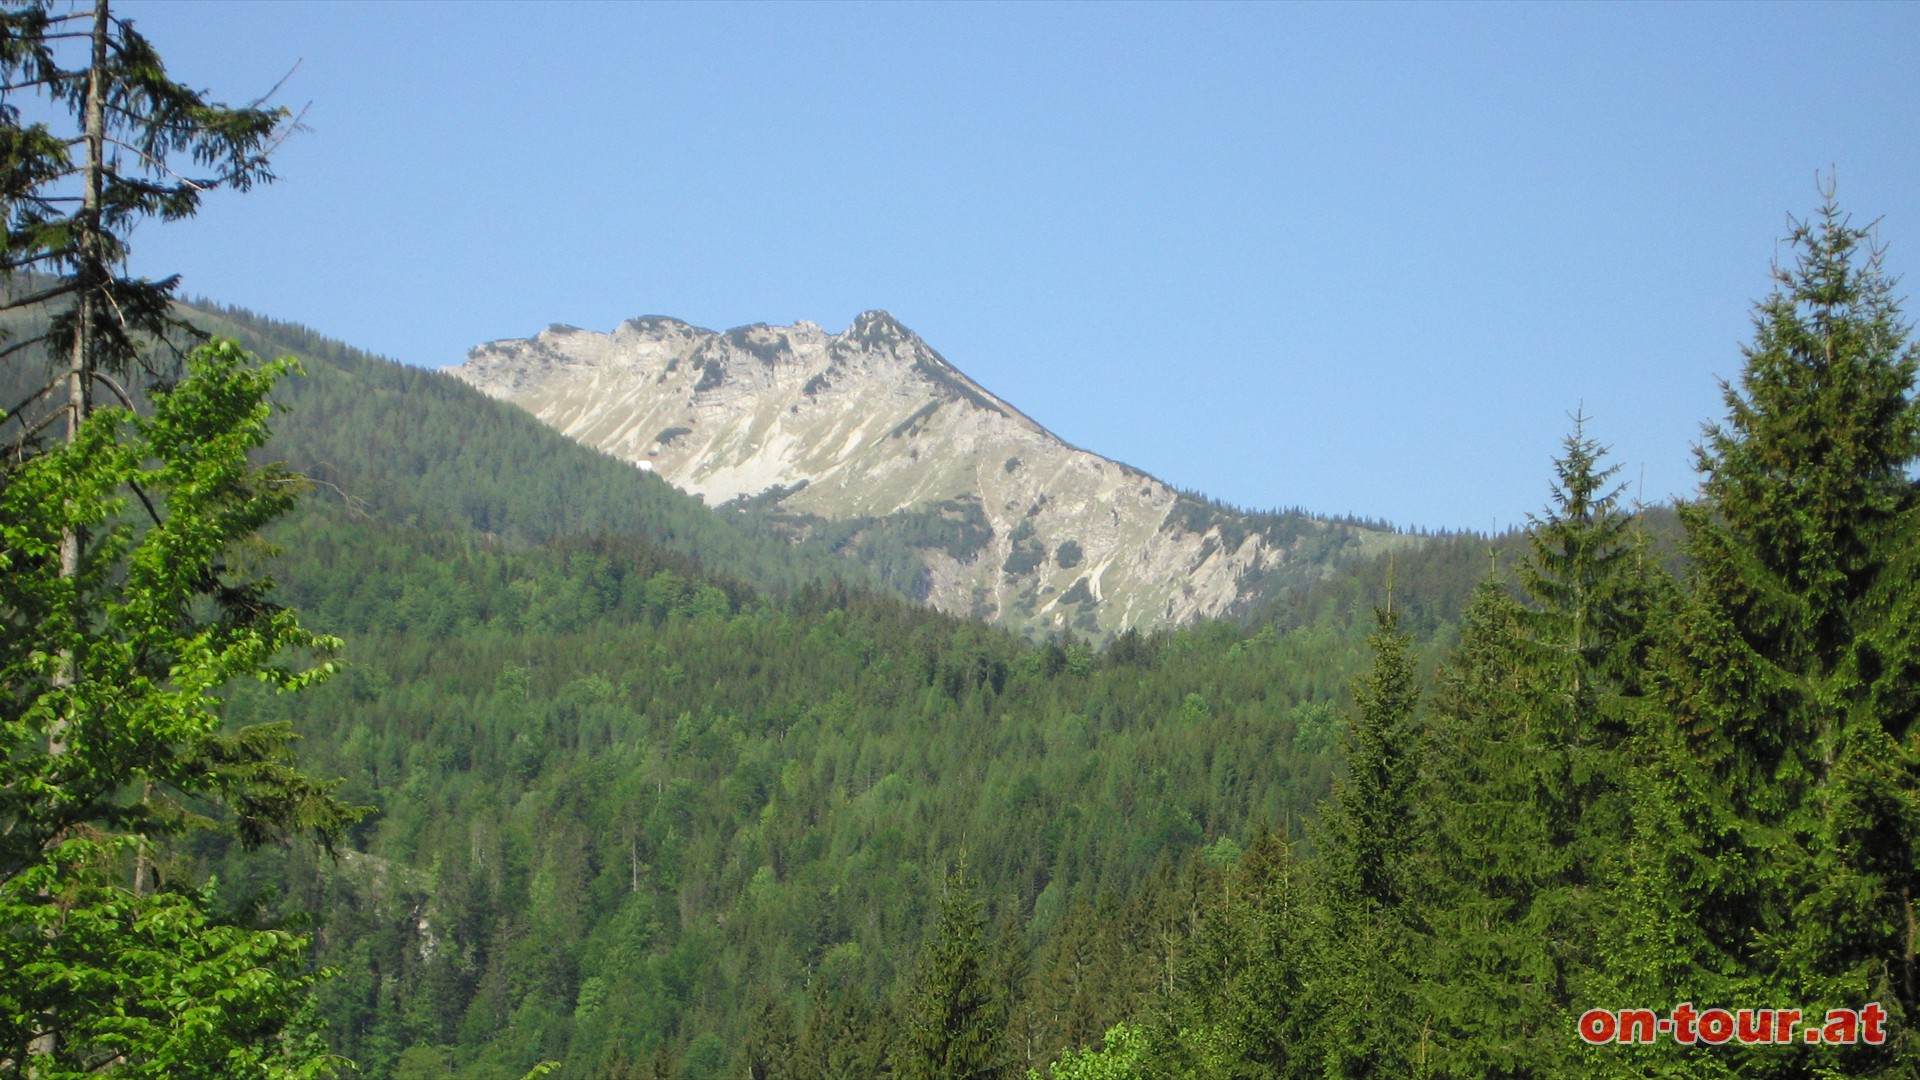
[(956, 1023), (1365, 986), (1794, 677), (72, 197), (770, 1042), (845, 1037), (1530, 721), (1494, 994), (1239, 1009), (1587, 579)]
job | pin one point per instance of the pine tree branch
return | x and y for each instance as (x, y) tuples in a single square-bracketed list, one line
[(158, 166), (71, 285), (24, 343), (18, 264), (33, 397)]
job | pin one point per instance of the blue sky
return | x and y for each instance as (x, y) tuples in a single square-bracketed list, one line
[(1357, 258)]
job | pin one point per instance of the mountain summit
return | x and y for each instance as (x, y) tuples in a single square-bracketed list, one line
[(871, 439)]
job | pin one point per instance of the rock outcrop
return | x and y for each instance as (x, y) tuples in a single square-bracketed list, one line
[(872, 436)]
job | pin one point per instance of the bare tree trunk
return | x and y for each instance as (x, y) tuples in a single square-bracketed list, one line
[(73, 539), (143, 870), (79, 367)]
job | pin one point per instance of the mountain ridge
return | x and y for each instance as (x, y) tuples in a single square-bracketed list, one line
[(811, 430)]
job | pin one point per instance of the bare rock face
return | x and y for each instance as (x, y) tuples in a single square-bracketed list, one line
[(874, 431)]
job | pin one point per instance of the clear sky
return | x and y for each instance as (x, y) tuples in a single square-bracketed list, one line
[(1358, 258)]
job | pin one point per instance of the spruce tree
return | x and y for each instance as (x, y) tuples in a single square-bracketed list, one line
[(72, 195), (770, 1041), (956, 1023), (1588, 583), (1788, 778), (1239, 1008), (1494, 993), (1592, 596), (1529, 781), (1365, 982), (845, 1038)]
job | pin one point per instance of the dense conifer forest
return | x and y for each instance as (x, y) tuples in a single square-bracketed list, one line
[(355, 723), (639, 819), (626, 805), (647, 796)]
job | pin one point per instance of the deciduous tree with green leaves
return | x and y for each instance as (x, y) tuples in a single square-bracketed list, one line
[(113, 740), (123, 611)]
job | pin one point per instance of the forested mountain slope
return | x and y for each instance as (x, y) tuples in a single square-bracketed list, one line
[(1433, 584), (408, 446), (656, 798), (624, 810), (648, 789)]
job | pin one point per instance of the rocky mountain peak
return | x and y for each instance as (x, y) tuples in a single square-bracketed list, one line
[(873, 437), (878, 326)]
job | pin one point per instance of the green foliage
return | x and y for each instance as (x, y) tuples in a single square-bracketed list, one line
[(712, 375), (1784, 761), (415, 449), (892, 547), (114, 739), (646, 799), (1077, 593), (1125, 1054), (1631, 789), (1068, 555), (956, 1023), (1529, 778), (1317, 728), (151, 983), (1025, 557), (641, 817), (1025, 552), (1580, 574), (435, 608), (73, 195), (1242, 1006), (149, 629), (1372, 832)]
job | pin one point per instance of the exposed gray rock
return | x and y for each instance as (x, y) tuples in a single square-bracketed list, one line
[(873, 423)]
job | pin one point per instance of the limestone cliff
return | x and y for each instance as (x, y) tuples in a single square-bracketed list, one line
[(873, 427)]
